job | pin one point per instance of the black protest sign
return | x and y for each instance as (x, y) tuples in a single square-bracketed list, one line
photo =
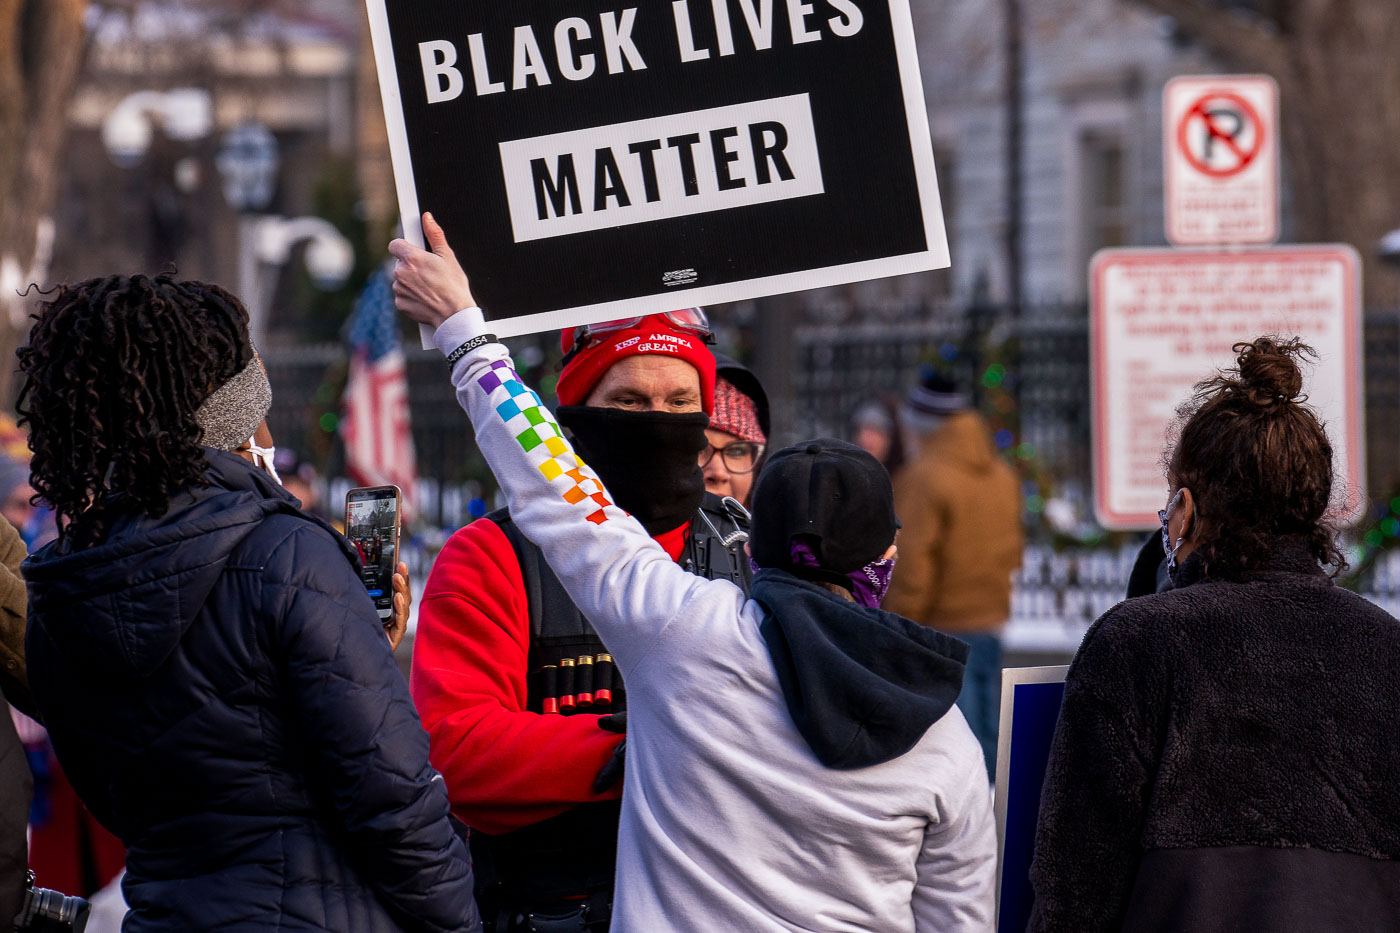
[(590, 160)]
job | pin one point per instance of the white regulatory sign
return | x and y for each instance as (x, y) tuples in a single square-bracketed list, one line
[(1221, 160), (1162, 320)]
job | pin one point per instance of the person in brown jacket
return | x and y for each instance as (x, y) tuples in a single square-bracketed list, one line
[(960, 504), (16, 782)]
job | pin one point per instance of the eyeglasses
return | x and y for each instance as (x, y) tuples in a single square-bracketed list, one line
[(738, 457), (689, 320)]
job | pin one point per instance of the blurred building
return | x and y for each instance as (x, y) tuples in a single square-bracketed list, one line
[(1092, 73), (1090, 177), (289, 67)]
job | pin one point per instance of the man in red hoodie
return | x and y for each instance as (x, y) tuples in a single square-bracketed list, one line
[(511, 681)]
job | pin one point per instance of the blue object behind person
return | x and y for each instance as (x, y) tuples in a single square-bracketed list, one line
[(220, 692)]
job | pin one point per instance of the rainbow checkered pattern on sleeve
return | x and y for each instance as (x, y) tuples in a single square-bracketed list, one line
[(538, 434)]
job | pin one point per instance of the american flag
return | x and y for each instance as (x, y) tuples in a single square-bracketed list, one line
[(378, 440)]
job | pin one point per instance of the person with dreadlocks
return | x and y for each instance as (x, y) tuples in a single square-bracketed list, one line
[(213, 674)]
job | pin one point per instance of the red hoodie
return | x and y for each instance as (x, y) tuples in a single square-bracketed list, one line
[(505, 767)]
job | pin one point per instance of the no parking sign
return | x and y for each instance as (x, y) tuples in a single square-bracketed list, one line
[(1221, 159)]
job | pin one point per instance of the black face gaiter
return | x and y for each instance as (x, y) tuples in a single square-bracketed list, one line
[(646, 459)]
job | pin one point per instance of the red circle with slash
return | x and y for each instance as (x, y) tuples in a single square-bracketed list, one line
[(1201, 110)]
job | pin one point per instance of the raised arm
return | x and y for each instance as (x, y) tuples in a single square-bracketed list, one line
[(621, 579)]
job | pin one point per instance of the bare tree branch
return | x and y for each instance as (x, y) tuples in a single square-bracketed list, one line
[(46, 55), (1338, 74), (42, 44), (11, 88)]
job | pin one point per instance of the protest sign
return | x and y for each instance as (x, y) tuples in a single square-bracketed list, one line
[(592, 161), (1030, 707), (1163, 320)]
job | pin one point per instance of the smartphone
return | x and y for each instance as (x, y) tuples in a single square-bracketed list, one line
[(372, 525)]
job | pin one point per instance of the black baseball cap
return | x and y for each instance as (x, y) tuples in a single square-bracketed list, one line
[(832, 494)]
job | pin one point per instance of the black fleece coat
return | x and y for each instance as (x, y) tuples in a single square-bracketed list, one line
[(219, 690), (1227, 760)]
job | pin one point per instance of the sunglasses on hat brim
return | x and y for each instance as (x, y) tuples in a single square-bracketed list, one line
[(688, 320)]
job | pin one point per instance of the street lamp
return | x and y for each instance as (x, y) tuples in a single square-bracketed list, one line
[(248, 161), (329, 256), (266, 246), (186, 114)]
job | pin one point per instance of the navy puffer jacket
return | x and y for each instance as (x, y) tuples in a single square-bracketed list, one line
[(220, 692)]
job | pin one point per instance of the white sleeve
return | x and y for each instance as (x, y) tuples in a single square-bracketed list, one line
[(620, 579), (955, 890)]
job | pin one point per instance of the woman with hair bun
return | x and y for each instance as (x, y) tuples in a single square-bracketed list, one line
[(213, 675), (1226, 756)]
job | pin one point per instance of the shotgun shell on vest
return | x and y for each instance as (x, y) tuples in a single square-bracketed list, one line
[(602, 680), (583, 681), (549, 688), (566, 685)]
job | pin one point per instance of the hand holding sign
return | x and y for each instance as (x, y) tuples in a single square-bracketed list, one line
[(429, 284)]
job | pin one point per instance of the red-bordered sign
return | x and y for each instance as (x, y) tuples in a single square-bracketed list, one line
[(1163, 319), (1221, 160)]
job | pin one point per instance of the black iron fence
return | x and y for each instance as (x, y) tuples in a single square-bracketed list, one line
[(1045, 354), (1030, 375)]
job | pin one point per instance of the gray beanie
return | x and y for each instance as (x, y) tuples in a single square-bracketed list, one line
[(231, 414)]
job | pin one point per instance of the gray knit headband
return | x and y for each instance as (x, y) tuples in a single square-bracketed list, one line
[(233, 412)]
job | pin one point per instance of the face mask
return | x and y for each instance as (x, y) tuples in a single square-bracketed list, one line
[(868, 585), (1164, 517), (872, 582), (647, 460), (265, 458)]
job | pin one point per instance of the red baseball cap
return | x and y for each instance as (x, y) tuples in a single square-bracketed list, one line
[(590, 350)]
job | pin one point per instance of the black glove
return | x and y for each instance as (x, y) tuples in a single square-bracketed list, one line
[(611, 772)]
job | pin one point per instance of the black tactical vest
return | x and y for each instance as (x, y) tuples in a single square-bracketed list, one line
[(574, 854)]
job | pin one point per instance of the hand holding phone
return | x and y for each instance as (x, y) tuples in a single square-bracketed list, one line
[(372, 524), (397, 624)]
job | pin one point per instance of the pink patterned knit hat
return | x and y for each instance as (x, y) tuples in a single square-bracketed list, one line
[(735, 413)]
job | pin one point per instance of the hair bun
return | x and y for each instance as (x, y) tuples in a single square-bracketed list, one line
[(1269, 370)]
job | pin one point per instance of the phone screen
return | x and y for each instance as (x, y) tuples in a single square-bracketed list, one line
[(372, 525)]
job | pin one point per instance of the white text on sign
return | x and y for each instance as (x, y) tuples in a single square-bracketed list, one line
[(577, 45), (685, 163)]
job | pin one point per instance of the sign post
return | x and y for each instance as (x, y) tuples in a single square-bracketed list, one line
[(590, 160), (1162, 320), (1221, 159)]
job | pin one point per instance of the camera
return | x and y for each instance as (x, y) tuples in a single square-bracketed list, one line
[(47, 911)]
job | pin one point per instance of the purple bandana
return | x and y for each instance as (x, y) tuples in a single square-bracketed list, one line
[(868, 584), (872, 582)]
